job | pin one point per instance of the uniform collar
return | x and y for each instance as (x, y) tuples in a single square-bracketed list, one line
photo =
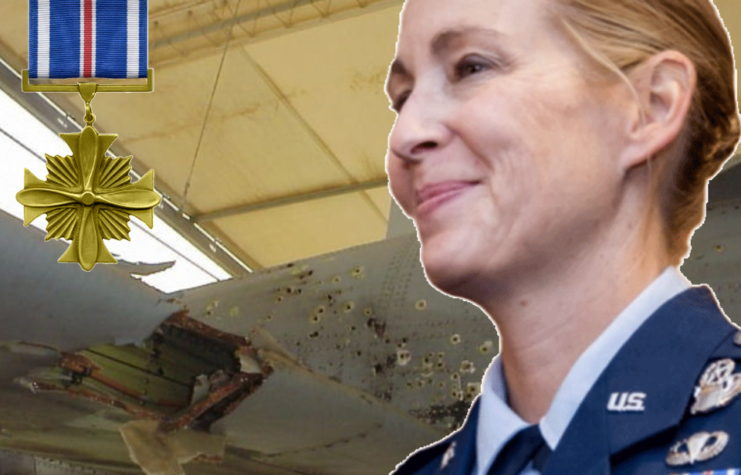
[(580, 379), (460, 447), (663, 360)]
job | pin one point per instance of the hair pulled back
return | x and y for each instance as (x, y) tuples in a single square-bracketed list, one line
[(620, 34)]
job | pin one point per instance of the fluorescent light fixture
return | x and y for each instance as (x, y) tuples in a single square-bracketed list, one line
[(23, 142)]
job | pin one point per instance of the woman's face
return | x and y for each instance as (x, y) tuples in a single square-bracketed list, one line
[(502, 153)]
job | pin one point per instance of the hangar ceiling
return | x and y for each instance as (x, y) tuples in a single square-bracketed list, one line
[(268, 124)]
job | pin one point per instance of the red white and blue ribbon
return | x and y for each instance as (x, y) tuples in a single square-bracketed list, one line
[(87, 38)]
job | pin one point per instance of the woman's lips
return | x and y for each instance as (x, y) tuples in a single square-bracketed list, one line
[(430, 197)]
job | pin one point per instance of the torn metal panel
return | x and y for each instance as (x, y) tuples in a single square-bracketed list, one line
[(160, 379), (57, 305), (155, 383), (367, 318)]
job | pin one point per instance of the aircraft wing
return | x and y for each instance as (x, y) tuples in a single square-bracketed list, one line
[(341, 364), (59, 306)]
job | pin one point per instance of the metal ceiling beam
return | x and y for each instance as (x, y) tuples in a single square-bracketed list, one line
[(59, 121), (291, 200), (262, 23)]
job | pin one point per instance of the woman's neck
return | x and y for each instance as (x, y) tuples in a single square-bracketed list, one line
[(546, 322)]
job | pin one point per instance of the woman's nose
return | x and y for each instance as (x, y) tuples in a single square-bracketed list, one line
[(420, 128)]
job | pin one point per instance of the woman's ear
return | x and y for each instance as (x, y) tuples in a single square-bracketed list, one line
[(664, 85)]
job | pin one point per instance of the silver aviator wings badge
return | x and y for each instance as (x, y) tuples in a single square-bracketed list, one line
[(717, 387), (698, 448)]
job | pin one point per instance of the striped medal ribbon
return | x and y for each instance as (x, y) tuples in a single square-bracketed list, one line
[(88, 197), (87, 39)]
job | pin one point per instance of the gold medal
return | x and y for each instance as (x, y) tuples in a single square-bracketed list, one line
[(88, 196)]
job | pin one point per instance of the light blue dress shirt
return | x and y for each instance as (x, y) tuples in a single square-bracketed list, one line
[(497, 423)]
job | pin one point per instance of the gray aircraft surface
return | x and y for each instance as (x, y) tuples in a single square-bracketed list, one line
[(339, 364)]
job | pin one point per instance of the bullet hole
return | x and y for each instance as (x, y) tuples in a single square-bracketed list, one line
[(427, 360), (348, 307), (420, 383), (314, 334), (455, 394), (367, 311), (467, 366), (338, 346), (440, 365), (718, 248), (403, 357), (353, 328), (358, 272), (472, 389), (290, 264), (378, 327), (358, 353), (279, 299), (441, 385), (378, 369), (455, 339), (330, 298), (455, 376), (269, 317), (440, 355), (486, 347), (317, 313), (336, 279), (410, 385), (211, 307), (420, 304)]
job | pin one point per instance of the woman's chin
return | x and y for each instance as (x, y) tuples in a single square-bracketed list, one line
[(447, 272)]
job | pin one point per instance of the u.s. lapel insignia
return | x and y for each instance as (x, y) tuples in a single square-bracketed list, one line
[(717, 387), (448, 456), (698, 448)]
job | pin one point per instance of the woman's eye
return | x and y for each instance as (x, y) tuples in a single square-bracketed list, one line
[(399, 102), (468, 66)]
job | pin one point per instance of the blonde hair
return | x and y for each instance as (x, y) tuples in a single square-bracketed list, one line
[(620, 34)]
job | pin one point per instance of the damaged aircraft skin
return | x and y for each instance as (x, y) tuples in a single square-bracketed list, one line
[(339, 364)]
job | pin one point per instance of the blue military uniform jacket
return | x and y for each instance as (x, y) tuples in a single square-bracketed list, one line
[(664, 360)]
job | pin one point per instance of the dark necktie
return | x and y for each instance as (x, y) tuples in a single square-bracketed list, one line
[(526, 445)]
